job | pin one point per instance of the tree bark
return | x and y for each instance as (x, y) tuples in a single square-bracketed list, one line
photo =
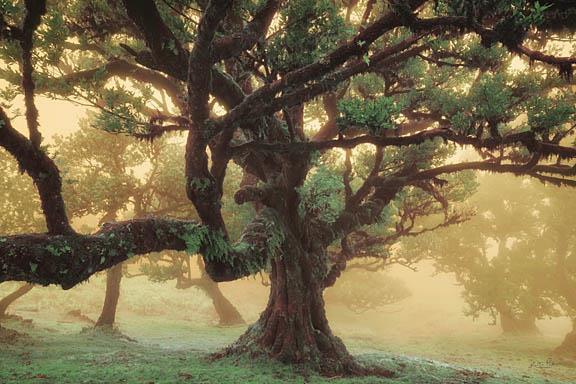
[(108, 314), (11, 298), (293, 328), (568, 346), (512, 325)]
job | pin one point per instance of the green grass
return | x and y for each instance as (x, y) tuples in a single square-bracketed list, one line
[(171, 351)]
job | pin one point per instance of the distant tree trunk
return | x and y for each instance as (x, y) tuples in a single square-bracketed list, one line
[(113, 280), (568, 290), (568, 346), (11, 298), (293, 328), (512, 325), (108, 314), (226, 311)]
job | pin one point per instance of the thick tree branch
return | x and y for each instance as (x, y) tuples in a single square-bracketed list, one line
[(167, 51), (42, 170), (70, 259), (200, 60), (490, 166), (527, 139), (255, 30), (35, 9), (257, 104)]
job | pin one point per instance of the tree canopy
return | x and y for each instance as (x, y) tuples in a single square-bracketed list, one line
[(342, 116)]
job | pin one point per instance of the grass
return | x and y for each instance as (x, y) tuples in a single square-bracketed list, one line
[(175, 351)]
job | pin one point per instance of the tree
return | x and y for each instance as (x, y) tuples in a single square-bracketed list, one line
[(100, 178), (18, 215), (514, 258), (497, 274), (445, 79), (555, 245)]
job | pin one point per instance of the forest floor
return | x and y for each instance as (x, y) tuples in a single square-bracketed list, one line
[(175, 351)]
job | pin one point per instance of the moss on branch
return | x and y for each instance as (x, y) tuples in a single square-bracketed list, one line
[(70, 259)]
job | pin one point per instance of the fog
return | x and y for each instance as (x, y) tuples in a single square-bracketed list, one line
[(428, 321)]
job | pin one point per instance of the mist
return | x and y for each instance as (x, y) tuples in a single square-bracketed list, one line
[(298, 191)]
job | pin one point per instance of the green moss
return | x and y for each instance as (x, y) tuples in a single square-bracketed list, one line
[(59, 248), (194, 236), (200, 184)]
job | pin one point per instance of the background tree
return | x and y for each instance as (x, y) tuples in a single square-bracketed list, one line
[(130, 179), (513, 259), (555, 248), (438, 60), (497, 275), (20, 213)]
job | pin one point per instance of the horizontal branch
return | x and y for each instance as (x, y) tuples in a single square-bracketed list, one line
[(544, 58), (526, 138), (491, 166), (70, 259), (230, 46)]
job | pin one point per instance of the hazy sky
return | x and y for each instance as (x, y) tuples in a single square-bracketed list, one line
[(56, 117)]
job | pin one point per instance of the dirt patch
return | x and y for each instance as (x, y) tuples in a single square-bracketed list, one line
[(10, 336)]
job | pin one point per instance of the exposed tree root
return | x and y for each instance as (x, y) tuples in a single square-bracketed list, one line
[(76, 314), (294, 330), (10, 336), (329, 365), (16, 318), (567, 350), (106, 331)]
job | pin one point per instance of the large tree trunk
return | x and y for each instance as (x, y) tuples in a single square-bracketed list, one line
[(568, 346), (293, 328), (108, 314), (11, 298), (512, 325)]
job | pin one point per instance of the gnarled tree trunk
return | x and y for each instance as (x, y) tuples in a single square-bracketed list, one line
[(513, 325), (12, 297), (293, 328), (108, 314), (568, 346)]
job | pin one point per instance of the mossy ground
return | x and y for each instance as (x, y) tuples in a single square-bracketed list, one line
[(174, 351)]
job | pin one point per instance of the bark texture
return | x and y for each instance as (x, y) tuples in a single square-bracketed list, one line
[(293, 328)]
